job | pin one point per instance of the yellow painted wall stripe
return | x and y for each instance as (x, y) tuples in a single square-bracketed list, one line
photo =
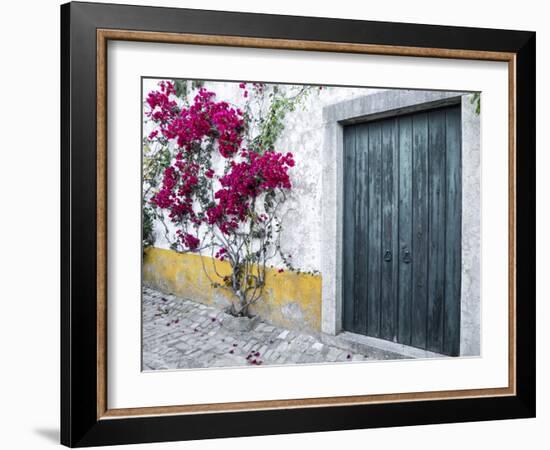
[(290, 299)]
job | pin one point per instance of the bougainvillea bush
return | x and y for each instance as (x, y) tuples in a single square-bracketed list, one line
[(212, 170)]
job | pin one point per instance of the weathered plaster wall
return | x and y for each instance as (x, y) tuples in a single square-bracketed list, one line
[(304, 136), (290, 300), (470, 339)]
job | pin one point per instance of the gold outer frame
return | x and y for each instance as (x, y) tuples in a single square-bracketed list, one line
[(104, 35)]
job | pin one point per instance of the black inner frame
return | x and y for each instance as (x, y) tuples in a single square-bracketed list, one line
[(79, 424)]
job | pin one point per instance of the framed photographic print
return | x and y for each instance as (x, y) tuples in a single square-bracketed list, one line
[(276, 224)]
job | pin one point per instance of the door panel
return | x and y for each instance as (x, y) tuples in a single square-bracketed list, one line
[(405, 229), (402, 229), (420, 230), (436, 226), (374, 248), (453, 231), (361, 230), (389, 264), (349, 228)]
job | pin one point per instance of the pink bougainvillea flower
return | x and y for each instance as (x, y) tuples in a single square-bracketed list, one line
[(188, 127), (190, 241), (220, 254), (245, 181), (203, 119)]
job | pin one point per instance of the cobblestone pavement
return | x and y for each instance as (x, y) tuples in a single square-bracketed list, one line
[(179, 333)]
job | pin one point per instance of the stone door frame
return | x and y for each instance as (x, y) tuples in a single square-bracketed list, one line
[(388, 104)]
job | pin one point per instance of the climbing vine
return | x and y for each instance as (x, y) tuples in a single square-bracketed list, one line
[(211, 169), (476, 101)]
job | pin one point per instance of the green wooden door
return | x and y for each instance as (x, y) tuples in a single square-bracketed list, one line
[(402, 229)]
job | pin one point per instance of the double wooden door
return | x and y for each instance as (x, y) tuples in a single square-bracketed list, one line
[(402, 229)]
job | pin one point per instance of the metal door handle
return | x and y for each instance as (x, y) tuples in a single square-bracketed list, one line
[(387, 256), (406, 255)]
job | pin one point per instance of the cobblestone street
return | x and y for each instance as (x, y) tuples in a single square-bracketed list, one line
[(179, 333)]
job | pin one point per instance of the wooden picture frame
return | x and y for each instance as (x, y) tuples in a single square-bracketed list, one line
[(85, 416)]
